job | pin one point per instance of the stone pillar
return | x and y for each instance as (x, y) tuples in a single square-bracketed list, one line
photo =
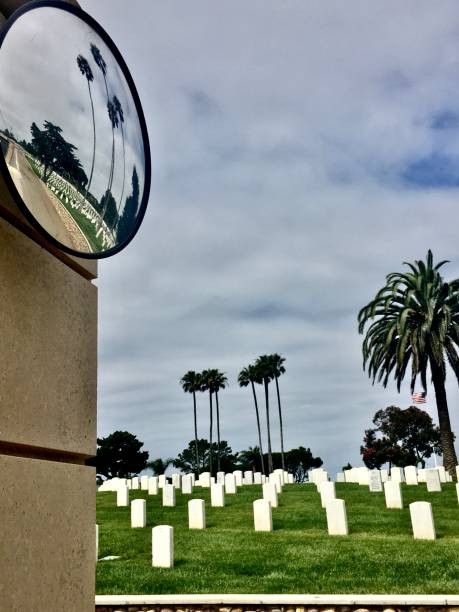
[(48, 385)]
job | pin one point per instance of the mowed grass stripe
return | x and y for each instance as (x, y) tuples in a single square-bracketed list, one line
[(379, 555)]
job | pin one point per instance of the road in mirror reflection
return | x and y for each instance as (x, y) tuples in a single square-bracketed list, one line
[(69, 131)]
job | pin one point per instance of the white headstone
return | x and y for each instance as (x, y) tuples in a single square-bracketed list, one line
[(187, 485), (162, 544), (122, 496), (248, 477), (153, 485), (193, 479), (196, 514), (411, 475), (204, 479), (442, 473), (340, 477), (217, 495), (138, 513), (161, 481), (336, 517), (327, 492), (422, 521), (374, 481), (276, 480), (220, 477), (176, 481), (257, 478), (421, 475), (433, 481), (238, 475), (364, 476), (263, 479), (230, 484), (384, 475), (135, 483), (393, 494), (144, 482), (129, 484), (270, 493), (396, 474), (281, 473), (291, 480), (169, 495), (262, 515)]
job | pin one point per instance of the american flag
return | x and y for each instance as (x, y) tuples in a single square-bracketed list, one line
[(419, 397)]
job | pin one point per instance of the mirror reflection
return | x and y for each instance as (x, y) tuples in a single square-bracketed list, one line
[(70, 133)]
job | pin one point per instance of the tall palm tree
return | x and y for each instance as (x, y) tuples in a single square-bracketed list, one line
[(251, 375), (86, 71), (191, 382), (120, 113), (416, 320), (207, 384), (277, 370), (220, 382), (264, 367)]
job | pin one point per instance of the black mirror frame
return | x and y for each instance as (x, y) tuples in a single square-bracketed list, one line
[(79, 13)]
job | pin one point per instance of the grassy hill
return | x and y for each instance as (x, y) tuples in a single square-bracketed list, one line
[(379, 555)]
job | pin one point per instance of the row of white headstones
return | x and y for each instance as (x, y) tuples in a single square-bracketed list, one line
[(162, 536)]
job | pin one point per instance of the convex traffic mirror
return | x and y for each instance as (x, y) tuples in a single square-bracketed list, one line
[(74, 145)]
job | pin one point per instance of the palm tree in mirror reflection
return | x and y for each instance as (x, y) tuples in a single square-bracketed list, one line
[(120, 113), (86, 71)]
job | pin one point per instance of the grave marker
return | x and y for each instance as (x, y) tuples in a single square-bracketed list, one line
[(270, 493), (138, 513), (327, 492), (411, 475), (422, 521), (375, 483), (196, 514), (230, 484), (336, 517), (162, 544), (393, 494), (153, 485), (433, 481), (262, 515), (217, 495), (122, 496), (169, 495)]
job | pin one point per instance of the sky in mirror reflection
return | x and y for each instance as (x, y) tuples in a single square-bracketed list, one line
[(69, 131)]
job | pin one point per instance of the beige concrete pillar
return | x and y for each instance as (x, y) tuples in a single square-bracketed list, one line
[(48, 384)]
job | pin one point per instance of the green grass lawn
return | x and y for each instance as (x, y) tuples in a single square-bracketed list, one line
[(378, 556)]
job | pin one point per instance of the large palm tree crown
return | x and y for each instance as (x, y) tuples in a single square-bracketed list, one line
[(191, 381), (249, 374), (85, 68), (416, 320), (213, 380), (97, 55), (265, 368), (277, 364)]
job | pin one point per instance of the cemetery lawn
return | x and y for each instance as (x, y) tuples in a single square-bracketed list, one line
[(379, 555)]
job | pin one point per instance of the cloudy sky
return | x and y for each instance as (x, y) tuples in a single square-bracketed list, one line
[(300, 152)]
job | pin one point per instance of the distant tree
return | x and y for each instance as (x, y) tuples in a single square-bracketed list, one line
[(213, 380), (401, 437), (251, 375), (348, 466), (108, 207), (56, 154), (186, 460), (298, 461), (119, 455), (128, 217), (191, 382), (159, 466), (251, 459)]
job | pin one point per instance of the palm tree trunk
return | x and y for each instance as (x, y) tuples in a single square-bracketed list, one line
[(259, 428), (218, 432), (446, 435), (210, 434), (93, 142), (118, 210), (196, 435), (270, 457), (280, 424)]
